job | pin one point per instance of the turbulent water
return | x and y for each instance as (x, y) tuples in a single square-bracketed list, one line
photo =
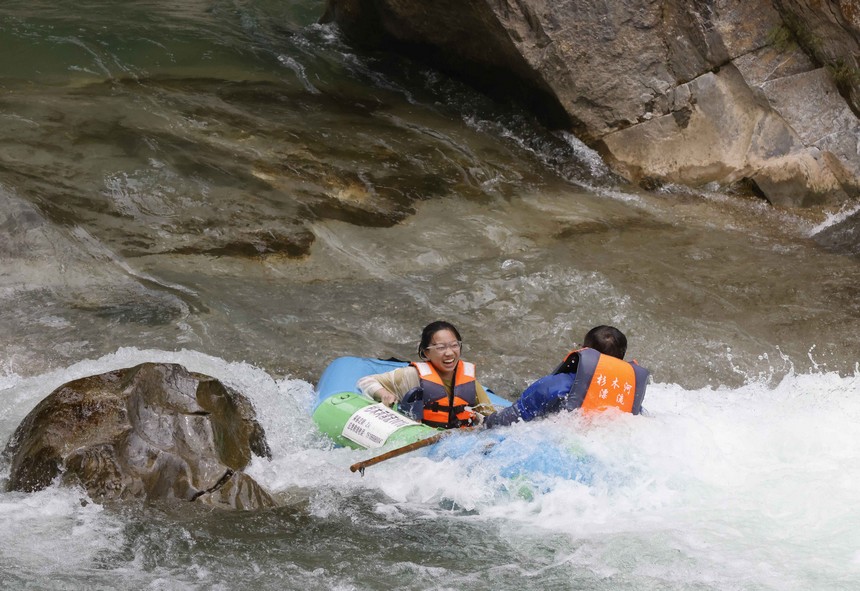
[(230, 186)]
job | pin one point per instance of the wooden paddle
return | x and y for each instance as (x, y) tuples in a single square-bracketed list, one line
[(360, 466)]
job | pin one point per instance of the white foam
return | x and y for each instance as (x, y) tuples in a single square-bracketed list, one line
[(733, 478), (54, 529)]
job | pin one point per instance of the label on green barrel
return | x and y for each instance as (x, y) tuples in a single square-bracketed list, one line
[(372, 425)]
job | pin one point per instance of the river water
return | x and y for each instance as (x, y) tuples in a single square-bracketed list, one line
[(227, 185)]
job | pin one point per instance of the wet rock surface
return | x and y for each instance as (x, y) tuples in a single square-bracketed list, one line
[(154, 431), (735, 93)]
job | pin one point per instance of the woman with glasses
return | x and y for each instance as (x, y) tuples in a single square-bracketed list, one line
[(441, 390)]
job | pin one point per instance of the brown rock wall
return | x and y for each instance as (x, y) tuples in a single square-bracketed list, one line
[(669, 91)]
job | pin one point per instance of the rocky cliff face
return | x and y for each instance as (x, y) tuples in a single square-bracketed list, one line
[(155, 431), (758, 92)]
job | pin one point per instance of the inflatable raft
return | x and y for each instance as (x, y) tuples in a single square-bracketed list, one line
[(352, 419), (523, 466)]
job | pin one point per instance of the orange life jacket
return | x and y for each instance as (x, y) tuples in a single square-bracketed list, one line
[(442, 409), (603, 382)]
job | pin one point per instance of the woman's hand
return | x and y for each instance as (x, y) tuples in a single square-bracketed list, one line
[(387, 398)]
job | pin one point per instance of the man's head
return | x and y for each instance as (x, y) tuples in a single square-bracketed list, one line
[(607, 340)]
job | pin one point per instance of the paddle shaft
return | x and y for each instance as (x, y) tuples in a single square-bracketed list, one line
[(360, 466)]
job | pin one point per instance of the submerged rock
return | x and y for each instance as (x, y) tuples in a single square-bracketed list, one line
[(842, 237), (154, 431)]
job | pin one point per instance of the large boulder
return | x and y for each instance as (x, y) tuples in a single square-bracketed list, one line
[(154, 431), (735, 92)]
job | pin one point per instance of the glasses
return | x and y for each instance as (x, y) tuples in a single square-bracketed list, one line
[(442, 347)]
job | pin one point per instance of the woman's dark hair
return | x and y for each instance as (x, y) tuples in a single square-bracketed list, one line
[(607, 340), (432, 329)]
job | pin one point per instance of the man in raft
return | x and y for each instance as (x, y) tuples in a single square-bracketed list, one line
[(595, 377)]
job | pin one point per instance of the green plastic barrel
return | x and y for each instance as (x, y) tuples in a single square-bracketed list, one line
[(348, 419)]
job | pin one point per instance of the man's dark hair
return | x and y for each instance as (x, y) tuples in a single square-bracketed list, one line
[(607, 340)]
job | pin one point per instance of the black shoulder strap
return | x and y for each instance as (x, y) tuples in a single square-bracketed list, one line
[(569, 365)]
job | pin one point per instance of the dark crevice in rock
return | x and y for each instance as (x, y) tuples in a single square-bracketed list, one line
[(495, 67), (221, 482), (682, 117), (499, 83), (749, 186)]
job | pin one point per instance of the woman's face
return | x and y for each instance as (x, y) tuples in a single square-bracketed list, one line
[(444, 352)]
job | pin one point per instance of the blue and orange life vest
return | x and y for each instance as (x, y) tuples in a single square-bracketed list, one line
[(433, 405), (603, 382)]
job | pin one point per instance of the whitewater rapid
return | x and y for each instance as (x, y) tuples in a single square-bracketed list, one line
[(726, 488)]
